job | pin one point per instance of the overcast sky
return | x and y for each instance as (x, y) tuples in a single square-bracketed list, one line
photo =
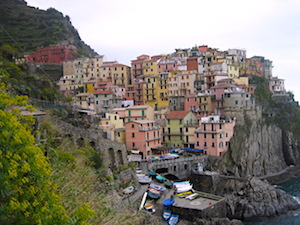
[(124, 29)]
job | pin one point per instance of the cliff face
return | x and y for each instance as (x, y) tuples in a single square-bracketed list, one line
[(259, 149)]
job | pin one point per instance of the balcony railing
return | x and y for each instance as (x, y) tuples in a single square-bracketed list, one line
[(149, 128), (173, 133), (154, 138)]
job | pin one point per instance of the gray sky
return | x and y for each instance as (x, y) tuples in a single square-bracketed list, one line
[(124, 29)]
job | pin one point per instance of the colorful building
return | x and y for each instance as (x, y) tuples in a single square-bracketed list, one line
[(139, 112), (176, 124), (214, 134), (52, 54), (142, 137)]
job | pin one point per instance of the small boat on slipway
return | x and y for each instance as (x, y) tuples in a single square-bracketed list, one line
[(167, 214), (173, 219)]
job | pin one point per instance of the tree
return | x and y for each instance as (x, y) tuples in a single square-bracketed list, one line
[(27, 195)]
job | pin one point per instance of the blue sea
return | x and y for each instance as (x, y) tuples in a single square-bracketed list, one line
[(293, 218)]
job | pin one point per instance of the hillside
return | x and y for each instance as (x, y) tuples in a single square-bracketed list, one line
[(29, 28)]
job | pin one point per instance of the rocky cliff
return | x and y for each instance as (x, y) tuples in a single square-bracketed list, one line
[(259, 147)]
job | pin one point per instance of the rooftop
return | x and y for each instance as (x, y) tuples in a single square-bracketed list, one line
[(177, 114)]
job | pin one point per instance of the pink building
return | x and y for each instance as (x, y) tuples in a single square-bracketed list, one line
[(191, 103), (143, 137), (213, 135), (167, 65), (52, 54)]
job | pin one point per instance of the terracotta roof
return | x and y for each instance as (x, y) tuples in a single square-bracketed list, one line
[(177, 114)]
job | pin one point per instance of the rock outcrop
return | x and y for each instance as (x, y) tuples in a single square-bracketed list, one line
[(256, 198)]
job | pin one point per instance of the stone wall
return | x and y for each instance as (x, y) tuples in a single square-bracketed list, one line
[(181, 167), (114, 153)]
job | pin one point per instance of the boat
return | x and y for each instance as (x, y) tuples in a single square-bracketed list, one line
[(167, 214), (168, 202), (168, 184), (173, 219), (152, 173), (192, 196), (160, 178), (153, 195), (129, 190), (138, 170), (154, 190), (160, 188), (144, 179), (184, 188), (150, 207)]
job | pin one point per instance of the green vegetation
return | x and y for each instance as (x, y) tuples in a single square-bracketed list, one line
[(285, 114), (20, 82), (29, 28), (82, 178), (27, 194)]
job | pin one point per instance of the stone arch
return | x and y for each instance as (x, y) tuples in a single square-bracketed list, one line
[(120, 157), (186, 166), (162, 170), (112, 157), (171, 177)]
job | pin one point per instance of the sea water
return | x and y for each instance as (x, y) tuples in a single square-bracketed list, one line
[(292, 218)]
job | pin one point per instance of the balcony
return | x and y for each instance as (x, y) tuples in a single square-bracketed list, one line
[(153, 139), (105, 106), (173, 134), (149, 128)]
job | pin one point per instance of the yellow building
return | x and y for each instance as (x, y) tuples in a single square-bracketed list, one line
[(113, 125), (179, 127), (233, 71), (151, 86), (206, 105), (120, 75), (89, 86), (150, 67), (241, 81)]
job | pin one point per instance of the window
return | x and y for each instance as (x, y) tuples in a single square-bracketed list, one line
[(212, 136), (205, 144), (186, 129), (220, 135), (236, 102), (204, 135), (213, 144), (180, 121), (197, 135), (132, 125), (221, 145), (220, 126), (198, 143), (226, 135), (168, 121), (132, 135)]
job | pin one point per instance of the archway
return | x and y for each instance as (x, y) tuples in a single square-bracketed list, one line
[(93, 144), (112, 158), (120, 157), (172, 177), (162, 170)]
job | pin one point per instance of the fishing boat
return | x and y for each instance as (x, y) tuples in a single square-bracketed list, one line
[(152, 173), (173, 219), (150, 207), (168, 202), (153, 195), (144, 179), (160, 188), (168, 184), (129, 190), (160, 178), (167, 214)]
